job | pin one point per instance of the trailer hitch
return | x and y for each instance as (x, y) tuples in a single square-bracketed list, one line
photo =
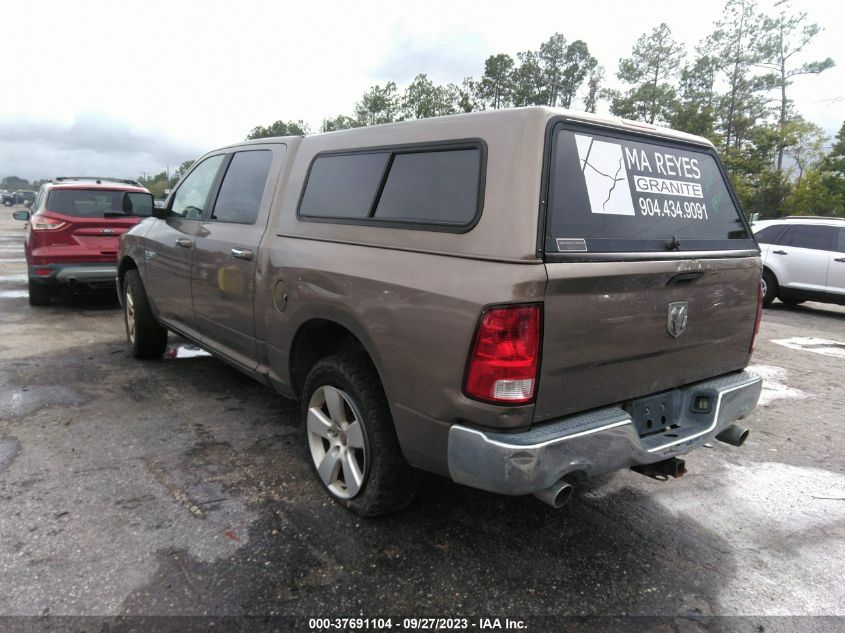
[(672, 467)]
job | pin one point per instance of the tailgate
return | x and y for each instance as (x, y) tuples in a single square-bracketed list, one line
[(101, 235), (94, 221), (653, 273), (609, 328)]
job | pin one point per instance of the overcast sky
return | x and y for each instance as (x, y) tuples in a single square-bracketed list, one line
[(118, 89)]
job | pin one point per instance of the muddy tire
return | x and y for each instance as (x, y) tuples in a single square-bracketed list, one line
[(770, 287), (350, 438), (39, 294), (146, 337)]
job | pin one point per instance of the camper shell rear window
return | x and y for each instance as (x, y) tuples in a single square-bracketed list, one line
[(612, 192)]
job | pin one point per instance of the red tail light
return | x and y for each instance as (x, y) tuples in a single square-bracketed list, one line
[(45, 223), (759, 316), (505, 356)]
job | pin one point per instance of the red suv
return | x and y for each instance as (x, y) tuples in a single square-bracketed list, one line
[(73, 232)]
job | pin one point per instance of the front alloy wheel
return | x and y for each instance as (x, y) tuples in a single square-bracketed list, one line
[(129, 304), (147, 338)]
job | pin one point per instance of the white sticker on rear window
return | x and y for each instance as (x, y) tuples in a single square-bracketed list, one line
[(605, 176), (645, 184), (606, 165)]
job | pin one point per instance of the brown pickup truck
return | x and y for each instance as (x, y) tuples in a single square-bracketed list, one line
[(511, 298)]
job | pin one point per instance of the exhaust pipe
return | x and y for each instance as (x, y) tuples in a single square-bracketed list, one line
[(735, 435), (555, 495), (672, 467)]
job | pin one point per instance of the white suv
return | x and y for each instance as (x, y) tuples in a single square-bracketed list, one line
[(803, 259)]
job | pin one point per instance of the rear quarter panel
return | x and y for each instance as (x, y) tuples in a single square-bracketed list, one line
[(415, 313), (411, 296)]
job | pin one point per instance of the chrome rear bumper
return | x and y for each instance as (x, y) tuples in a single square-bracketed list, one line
[(596, 442)]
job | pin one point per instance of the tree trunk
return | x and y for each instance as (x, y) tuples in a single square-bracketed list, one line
[(734, 81), (729, 127), (782, 135), (653, 113)]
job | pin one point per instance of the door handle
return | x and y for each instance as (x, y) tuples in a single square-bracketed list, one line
[(184, 242), (840, 259), (241, 253), (780, 252)]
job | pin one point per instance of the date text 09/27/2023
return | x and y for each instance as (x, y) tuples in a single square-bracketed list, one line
[(416, 624)]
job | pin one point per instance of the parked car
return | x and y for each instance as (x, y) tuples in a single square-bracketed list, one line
[(25, 197), (508, 298), (803, 259), (73, 232), (18, 197)]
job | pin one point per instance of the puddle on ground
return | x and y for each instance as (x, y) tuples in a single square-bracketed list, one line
[(185, 350), (776, 498), (774, 384), (13, 294), (18, 401), (812, 344), (8, 451), (771, 522)]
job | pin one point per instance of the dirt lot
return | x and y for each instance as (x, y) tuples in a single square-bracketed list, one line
[(181, 487)]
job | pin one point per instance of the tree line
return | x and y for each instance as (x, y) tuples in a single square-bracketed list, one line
[(16, 183), (157, 184), (161, 183), (733, 88)]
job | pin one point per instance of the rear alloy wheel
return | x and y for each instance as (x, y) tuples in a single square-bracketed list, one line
[(770, 288), (351, 439), (336, 441), (39, 294), (147, 338)]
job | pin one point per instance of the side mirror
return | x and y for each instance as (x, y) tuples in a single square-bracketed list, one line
[(160, 212), (139, 204), (23, 216)]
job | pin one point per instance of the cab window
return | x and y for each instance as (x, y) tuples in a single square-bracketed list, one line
[(243, 186), (190, 198)]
